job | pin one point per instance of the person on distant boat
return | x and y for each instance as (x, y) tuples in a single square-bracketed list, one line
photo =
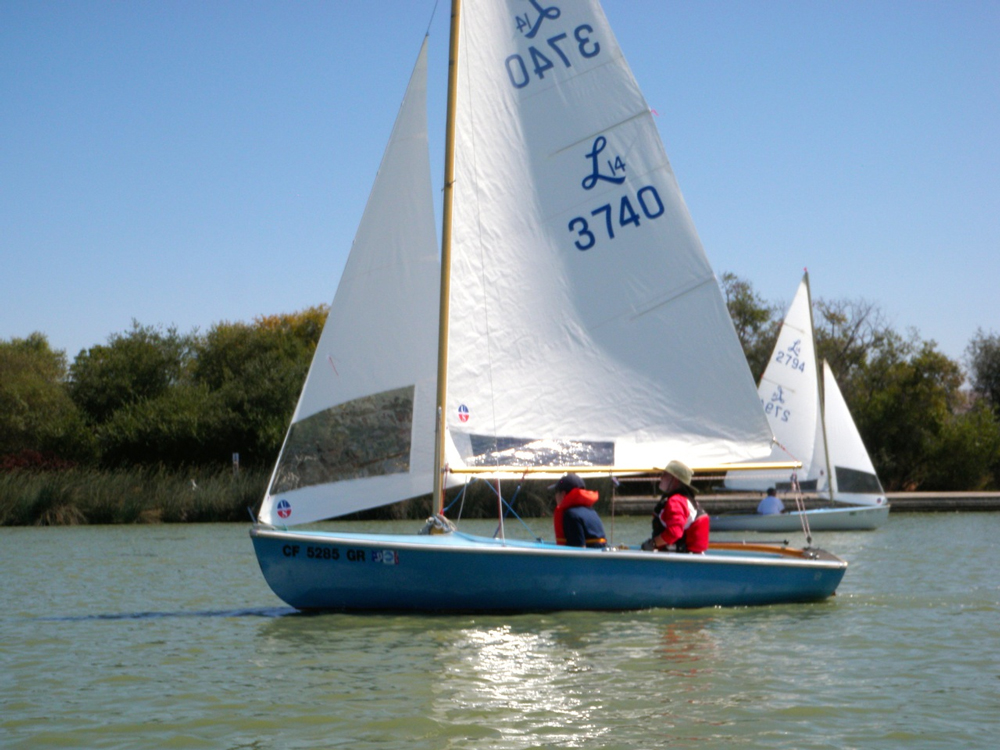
[(576, 522), (771, 504), (679, 523)]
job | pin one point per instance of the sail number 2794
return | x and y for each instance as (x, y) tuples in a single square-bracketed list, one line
[(790, 360)]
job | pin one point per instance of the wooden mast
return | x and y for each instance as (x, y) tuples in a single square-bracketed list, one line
[(449, 179)]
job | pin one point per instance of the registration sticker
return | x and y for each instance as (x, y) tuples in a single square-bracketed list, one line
[(385, 556)]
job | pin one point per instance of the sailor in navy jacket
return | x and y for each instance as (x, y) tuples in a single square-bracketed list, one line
[(576, 522)]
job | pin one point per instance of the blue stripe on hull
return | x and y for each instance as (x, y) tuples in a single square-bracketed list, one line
[(457, 572)]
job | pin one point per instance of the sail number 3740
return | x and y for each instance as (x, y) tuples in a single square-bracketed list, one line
[(621, 214), (542, 61)]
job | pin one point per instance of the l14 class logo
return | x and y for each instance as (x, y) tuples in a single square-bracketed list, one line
[(284, 509)]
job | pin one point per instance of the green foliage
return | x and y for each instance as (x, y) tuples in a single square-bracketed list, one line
[(154, 397), (983, 354), (36, 413), (911, 394), (186, 425), (849, 333), (966, 453), (757, 323), (256, 372), (132, 367)]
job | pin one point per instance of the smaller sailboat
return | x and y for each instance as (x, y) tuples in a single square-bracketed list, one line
[(811, 423)]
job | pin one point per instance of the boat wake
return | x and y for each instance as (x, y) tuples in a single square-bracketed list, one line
[(255, 612)]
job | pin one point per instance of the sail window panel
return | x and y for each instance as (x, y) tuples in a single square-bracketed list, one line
[(366, 437), (488, 450), (808, 485), (858, 482)]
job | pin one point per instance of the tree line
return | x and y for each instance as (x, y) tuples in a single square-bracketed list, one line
[(153, 397)]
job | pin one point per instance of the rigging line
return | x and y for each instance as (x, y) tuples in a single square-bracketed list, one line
[(500, 513), (787, 452), (614, 497), (510, 508), (433, 11), (460, 496), (800, 504), (801, 507)]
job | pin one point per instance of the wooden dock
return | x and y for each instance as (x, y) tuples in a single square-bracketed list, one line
[(899, 502)]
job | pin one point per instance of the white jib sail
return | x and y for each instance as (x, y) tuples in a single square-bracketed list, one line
[(587, 326), (789, 393), (362, 433), (852, 472)]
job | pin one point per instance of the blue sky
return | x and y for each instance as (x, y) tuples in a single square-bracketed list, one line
[(183, 163)]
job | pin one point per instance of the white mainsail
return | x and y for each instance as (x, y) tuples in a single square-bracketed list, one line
[(362, 433), (789, 393), (852, 474), (586, 323)]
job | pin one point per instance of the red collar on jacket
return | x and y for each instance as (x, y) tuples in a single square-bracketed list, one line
[(577, 496)]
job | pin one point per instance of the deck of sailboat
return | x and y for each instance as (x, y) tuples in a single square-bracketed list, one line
[(458, 541)]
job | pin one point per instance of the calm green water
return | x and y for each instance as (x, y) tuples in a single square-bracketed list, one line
[(167, 636)]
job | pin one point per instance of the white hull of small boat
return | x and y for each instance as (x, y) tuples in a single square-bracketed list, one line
[(850, 518)]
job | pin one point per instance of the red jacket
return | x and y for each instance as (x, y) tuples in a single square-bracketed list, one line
[(682, 519), (589, 527)]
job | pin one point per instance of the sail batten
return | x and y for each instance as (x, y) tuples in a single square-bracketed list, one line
[(589, 137)]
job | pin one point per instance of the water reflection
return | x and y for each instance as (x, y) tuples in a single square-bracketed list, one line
[(532, 684), (526, 681), (687, 646)]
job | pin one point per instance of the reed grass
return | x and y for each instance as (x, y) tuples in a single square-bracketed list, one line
[(92, 496)]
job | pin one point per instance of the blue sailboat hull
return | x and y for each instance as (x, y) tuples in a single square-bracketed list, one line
[(314, 570)]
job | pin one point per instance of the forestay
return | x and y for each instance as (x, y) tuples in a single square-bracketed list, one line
[(362, 432), (587, 326)]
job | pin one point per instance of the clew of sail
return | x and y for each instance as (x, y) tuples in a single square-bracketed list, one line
[(586, 323), (852, 473), (362, 432)]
